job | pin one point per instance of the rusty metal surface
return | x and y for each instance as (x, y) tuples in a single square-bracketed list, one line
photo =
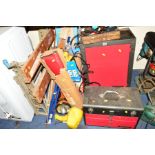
[(112, 97)]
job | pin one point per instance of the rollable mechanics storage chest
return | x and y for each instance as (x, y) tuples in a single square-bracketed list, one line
[(110, 61), (112, 106)]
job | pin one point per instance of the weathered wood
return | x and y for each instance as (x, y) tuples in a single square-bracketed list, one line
[(42, 33), (50, 93), (78, 61), (69, 89), (39, 109), (41, 86), (62, 43), (33, 62), (64, 34), (65, 83), (101, 37)]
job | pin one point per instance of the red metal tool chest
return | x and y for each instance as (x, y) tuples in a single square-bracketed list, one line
[(110, 62), (111, 121), (116, 107)]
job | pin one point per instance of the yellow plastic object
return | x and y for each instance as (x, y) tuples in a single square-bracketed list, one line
[(74, 117), (67, 56), (61, 118)]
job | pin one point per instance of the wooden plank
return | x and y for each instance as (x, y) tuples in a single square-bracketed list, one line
[(64, 34), (78, 61), (41, 86), (27, 89), (69, 89), (50, 93), (32, 64), (42, 33), (62, 43), (101, 37), (66, 85)]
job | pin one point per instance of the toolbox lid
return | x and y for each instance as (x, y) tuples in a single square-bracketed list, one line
[(112, 97)]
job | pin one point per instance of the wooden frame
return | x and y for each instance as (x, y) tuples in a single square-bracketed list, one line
[(33, 62), (41, 86)]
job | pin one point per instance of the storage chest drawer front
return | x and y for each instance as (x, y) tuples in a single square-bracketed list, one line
[(109, 64), (111, 121), (121, 121), (97, 120)]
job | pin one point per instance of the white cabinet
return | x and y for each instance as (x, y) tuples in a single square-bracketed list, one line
[(14, 46)]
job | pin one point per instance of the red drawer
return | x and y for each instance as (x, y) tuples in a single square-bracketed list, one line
[(123, 121), (109, 64), (110, 121), (97, 120)]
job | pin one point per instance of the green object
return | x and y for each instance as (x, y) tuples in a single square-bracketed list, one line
[(144, 50), (94, 27), (149, 114)]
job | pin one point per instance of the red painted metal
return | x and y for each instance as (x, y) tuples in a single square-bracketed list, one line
[(111, 121), (54, 63), (152, 66), (109, 64)]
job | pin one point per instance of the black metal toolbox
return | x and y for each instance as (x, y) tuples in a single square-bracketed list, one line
[(112, 106)]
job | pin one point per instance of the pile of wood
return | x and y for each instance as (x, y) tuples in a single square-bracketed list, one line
[(34, 79)]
